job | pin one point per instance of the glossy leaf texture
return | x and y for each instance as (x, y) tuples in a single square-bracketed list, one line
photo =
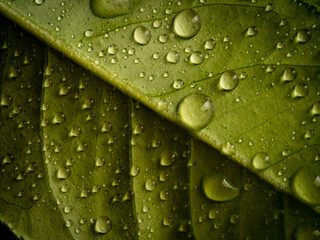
[(243, 76), (80, 160)]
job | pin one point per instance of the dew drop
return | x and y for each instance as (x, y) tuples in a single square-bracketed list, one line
[(102, 225), (67, 209), (138, 129), (134, 171), (228, 149), (315, 109), (65, 90), (164, 195), (261, 161), (178, 84), (110, 8), (150, 185), (196, 110), (59, 118), (289, 74), (39, 2), (229, 80), (168, 158), (75, 131), (187, 23), (88, 104), (157, 23), (113, 49), (172, 57), (163, 38), (300, 90), (6, 101), (303, 36), (216, 187), (63, 173), (196, 58), (100, 161), (106, 127), (209, 44), (142, 35), (251, 31), (269, 7), (213, 214), (88, 33), (7, 159), (306, 186)]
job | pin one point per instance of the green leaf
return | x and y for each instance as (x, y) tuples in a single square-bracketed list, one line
[(239, 75), (83, 161)]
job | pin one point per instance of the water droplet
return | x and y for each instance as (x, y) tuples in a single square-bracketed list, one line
[(156, 143), (67, 209), (88, 103), (150, 185), (134, 171), (289, 74), (303, 36), (113, 49), (315, 109), (16, 111), (261, 161), (106, 127), (196, 110), (110, 8), (100, 161), (178, 84), (300, 90), (88, 33), (156, 56), (84, 193), (187, 23), (234, 219), (65, 90), (59, 118), (31, 167), (39, 2), (102, 225), (308, 134), (251, 31), (184, 226), (167, 222), (163, 38), (138, 129), (69, 223), (164, 195), (228, 81), (75, 131), (196, 58), (269, 7), (142, 35), (306, 186), (168, 158), (173, 57), (6, 101), (164, 177), (216, 187), (228, 149), (157, 23), (7, 159), (63, 173), (213, 214), (209, 44)]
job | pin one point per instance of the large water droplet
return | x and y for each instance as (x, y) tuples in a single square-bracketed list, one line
[(102, 225), (110, 8), (134, 171), (39, 2), (112, 49), (150, 185), (187, 23), (6, 101), (303, 36), (216, 187), (289, 74), (306, 186), (173, 57), (168, 158), (138, 129), (142, 35), (228, 81), (300, 90), (75, 131), (196, 110), (261, 161), (316, 109), (196, 58)]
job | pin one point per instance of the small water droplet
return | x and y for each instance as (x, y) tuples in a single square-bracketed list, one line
[(172, 57), (138, 129), (142, 35), (217, 187), (303, 36), (163, 38), (63, 173), (39, 2), (228, 81), (75, 131), (102, 225), (306, 186), (196, 58), (228, 149), (113, 49), (157, 23), (156, 143), (88, 33), (300, 90), (213, 214), (134, 171), (251, 31), (150, 185), (315, 109), (289, 74), (164, 177), (187, 23), (100, 161), (6, 101), (164, 195), (196, 110), (67, 209), (269, 7), (59, 118), (168, 158), (178, 84), (261, 161), (209, 44), (7, 159), (88, 104)]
